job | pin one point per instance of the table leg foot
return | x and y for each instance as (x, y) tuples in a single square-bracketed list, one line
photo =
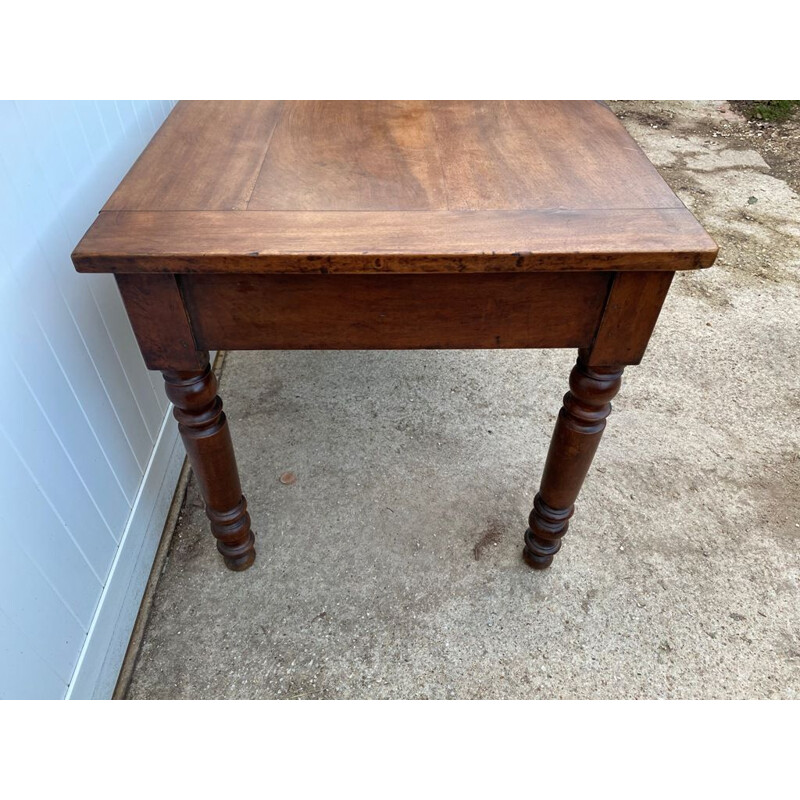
[(235, 540), (577, 434), (206, 436), (546, 526)]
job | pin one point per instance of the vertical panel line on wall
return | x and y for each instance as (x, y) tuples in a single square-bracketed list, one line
[(58, 516), (71, 236), (83, 411), (72, 463), (43, 259), (85, 430)]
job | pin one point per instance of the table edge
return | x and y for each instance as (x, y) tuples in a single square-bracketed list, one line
[(409, 241)]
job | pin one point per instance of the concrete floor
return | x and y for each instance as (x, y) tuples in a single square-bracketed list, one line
[(391, 568)]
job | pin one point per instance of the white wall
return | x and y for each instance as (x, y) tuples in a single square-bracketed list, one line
[(88, 453)]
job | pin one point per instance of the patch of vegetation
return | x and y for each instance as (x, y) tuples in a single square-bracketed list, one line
[(767, 110)]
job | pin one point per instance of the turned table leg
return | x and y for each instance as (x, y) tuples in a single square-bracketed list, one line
[(577, 434), (207, 438)]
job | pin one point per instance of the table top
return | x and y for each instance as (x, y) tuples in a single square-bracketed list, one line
[(392, 186)]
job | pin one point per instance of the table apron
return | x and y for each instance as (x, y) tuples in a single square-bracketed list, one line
[(386, 312)]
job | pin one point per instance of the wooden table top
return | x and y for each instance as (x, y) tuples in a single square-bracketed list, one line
[(385, 186)]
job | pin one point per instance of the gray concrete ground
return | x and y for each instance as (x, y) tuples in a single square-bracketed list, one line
[(391, 568)]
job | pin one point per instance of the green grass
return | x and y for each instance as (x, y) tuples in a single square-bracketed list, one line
[(769, 110)]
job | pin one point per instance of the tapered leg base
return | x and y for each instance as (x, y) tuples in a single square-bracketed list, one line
[(244, 560), (537, 557), (543, 537)]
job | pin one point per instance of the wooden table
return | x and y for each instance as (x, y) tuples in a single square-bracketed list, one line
[(392, 225)]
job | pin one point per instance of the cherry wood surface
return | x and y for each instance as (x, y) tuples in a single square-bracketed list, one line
[(403, 224), (205, 157), (394, 312), (378, 241), (414, 186)]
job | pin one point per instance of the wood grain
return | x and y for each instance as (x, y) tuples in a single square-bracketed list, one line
[(333, 156), (632, 309), (156, 311), (537, 154), (206, 156), (364, 312), (415, 241), (395, 186)]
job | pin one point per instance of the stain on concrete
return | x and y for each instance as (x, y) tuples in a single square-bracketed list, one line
[(491, 537)]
